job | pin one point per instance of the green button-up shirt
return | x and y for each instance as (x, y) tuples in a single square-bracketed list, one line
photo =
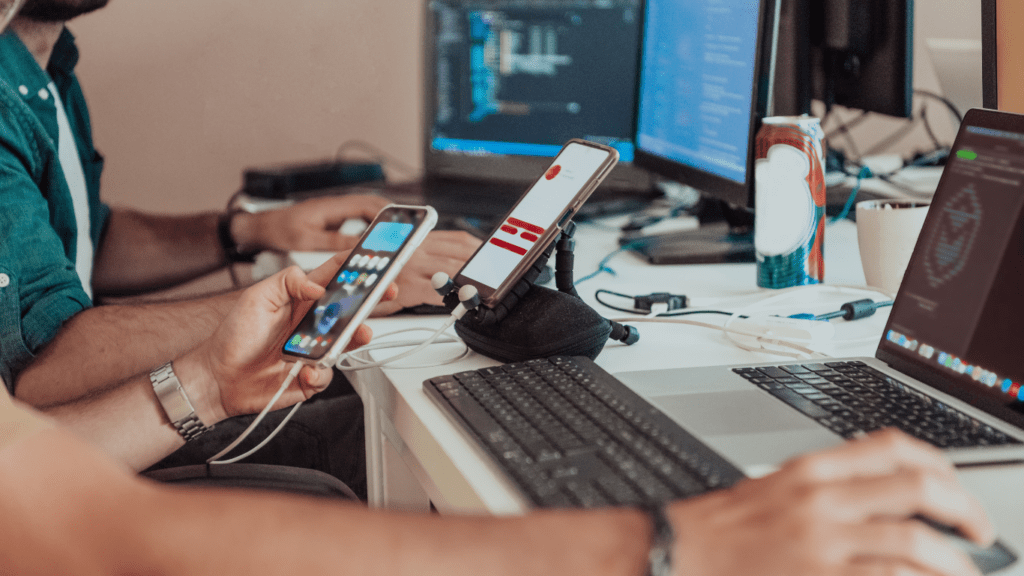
[(39, 287)]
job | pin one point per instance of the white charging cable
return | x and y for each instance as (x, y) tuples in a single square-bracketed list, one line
[(469, 298), (292, 374)]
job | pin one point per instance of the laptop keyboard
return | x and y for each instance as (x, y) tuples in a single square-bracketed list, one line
[(569, 434), (851, 398)]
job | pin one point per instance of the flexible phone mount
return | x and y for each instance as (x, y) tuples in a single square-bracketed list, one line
[(537, 301)]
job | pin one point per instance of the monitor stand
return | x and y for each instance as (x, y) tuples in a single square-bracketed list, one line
[(725, 235)]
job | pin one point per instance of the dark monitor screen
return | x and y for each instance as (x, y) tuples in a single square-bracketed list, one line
[(509, 82), (1003, 54), (862, 54), (702, 89), (957, 317)]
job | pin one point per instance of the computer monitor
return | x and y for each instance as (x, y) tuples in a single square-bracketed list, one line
[(1002, 54), (854, 53), (704, 84), (862, 54), (508, 82)]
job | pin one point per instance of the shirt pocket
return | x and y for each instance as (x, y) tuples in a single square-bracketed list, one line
[(14, 354)]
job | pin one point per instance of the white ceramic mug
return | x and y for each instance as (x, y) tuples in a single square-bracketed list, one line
[(887, 231)]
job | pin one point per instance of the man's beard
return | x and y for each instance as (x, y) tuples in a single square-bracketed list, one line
[(58, 10)]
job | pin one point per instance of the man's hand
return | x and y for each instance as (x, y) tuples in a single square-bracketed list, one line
[(309, 225), (841, 512), (442, 251), (241, 366)]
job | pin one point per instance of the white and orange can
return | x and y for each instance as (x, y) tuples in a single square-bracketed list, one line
[(789, 202)]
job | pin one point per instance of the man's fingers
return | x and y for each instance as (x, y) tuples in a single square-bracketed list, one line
[(451, 243), (880, 453), (335, 210), (386, 309), (326, 271), (391, 294), (314, 379), (879, 567), (914, 492), (909, 542), (362, 337)]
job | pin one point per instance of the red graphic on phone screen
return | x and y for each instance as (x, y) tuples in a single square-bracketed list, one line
[(553, 171), (517, 236)]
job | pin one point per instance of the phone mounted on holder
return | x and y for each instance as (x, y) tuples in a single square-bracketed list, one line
[(536, 322)]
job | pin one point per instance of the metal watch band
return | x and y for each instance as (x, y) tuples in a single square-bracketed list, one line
[(176, 403), (659, 558)]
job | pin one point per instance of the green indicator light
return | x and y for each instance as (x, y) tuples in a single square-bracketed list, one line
[(967, 154)]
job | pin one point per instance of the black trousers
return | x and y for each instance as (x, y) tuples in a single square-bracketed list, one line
[(326, 434)]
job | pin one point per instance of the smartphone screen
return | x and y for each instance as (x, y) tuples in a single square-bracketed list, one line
[(542, 207), (366, 267)]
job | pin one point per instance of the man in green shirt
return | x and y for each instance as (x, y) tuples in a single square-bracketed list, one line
[(46, 225), (60, 246)]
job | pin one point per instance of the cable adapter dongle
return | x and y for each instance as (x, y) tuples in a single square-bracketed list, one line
[(673, 301)]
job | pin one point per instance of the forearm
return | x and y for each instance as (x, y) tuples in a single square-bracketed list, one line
[(246, 534), (142, 252), (104, 346)]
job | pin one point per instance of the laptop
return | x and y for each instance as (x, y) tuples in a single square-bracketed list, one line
[(950, 364)]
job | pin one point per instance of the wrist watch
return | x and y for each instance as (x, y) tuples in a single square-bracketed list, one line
[(175, 402), (227, 242), (659, 558)]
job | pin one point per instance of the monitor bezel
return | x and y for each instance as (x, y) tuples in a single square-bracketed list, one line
[(990, 54), (712, 185), (626, 177)]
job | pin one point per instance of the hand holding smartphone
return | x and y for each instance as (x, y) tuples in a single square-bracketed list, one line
[(535, 220), (386, 245)]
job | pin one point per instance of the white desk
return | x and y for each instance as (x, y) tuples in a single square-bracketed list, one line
[(416, 456)]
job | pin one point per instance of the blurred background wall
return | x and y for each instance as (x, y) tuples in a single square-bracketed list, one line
[(187, 93)]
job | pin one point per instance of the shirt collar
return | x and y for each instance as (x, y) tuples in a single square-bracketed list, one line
[(22, 71)]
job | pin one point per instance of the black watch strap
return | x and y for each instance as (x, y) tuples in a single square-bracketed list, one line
[(227, 241), (663, 538)]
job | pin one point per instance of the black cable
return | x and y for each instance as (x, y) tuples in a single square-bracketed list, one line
[(928, 129), (597, 296), (855, 310), (893, 138), (844, 126), (949, 103)]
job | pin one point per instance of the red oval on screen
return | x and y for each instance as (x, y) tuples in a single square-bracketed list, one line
[(553, 171)]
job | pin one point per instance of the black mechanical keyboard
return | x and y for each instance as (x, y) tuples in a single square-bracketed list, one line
[(851, 398), (569, 434)]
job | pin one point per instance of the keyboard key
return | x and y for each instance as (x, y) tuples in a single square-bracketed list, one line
[(800, 403)]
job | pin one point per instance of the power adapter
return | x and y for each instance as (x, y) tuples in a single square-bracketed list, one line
[(293, 180)]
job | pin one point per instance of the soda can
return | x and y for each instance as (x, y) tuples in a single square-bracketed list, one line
[(789, 202)]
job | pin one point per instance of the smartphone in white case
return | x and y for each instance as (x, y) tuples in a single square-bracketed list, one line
[(387, 244)]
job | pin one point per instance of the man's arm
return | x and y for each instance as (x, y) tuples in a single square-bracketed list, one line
[(143, 252), (803, 521), (101, 347), (236, 371)]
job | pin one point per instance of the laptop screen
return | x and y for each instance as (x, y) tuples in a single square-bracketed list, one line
[(959, 315)]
